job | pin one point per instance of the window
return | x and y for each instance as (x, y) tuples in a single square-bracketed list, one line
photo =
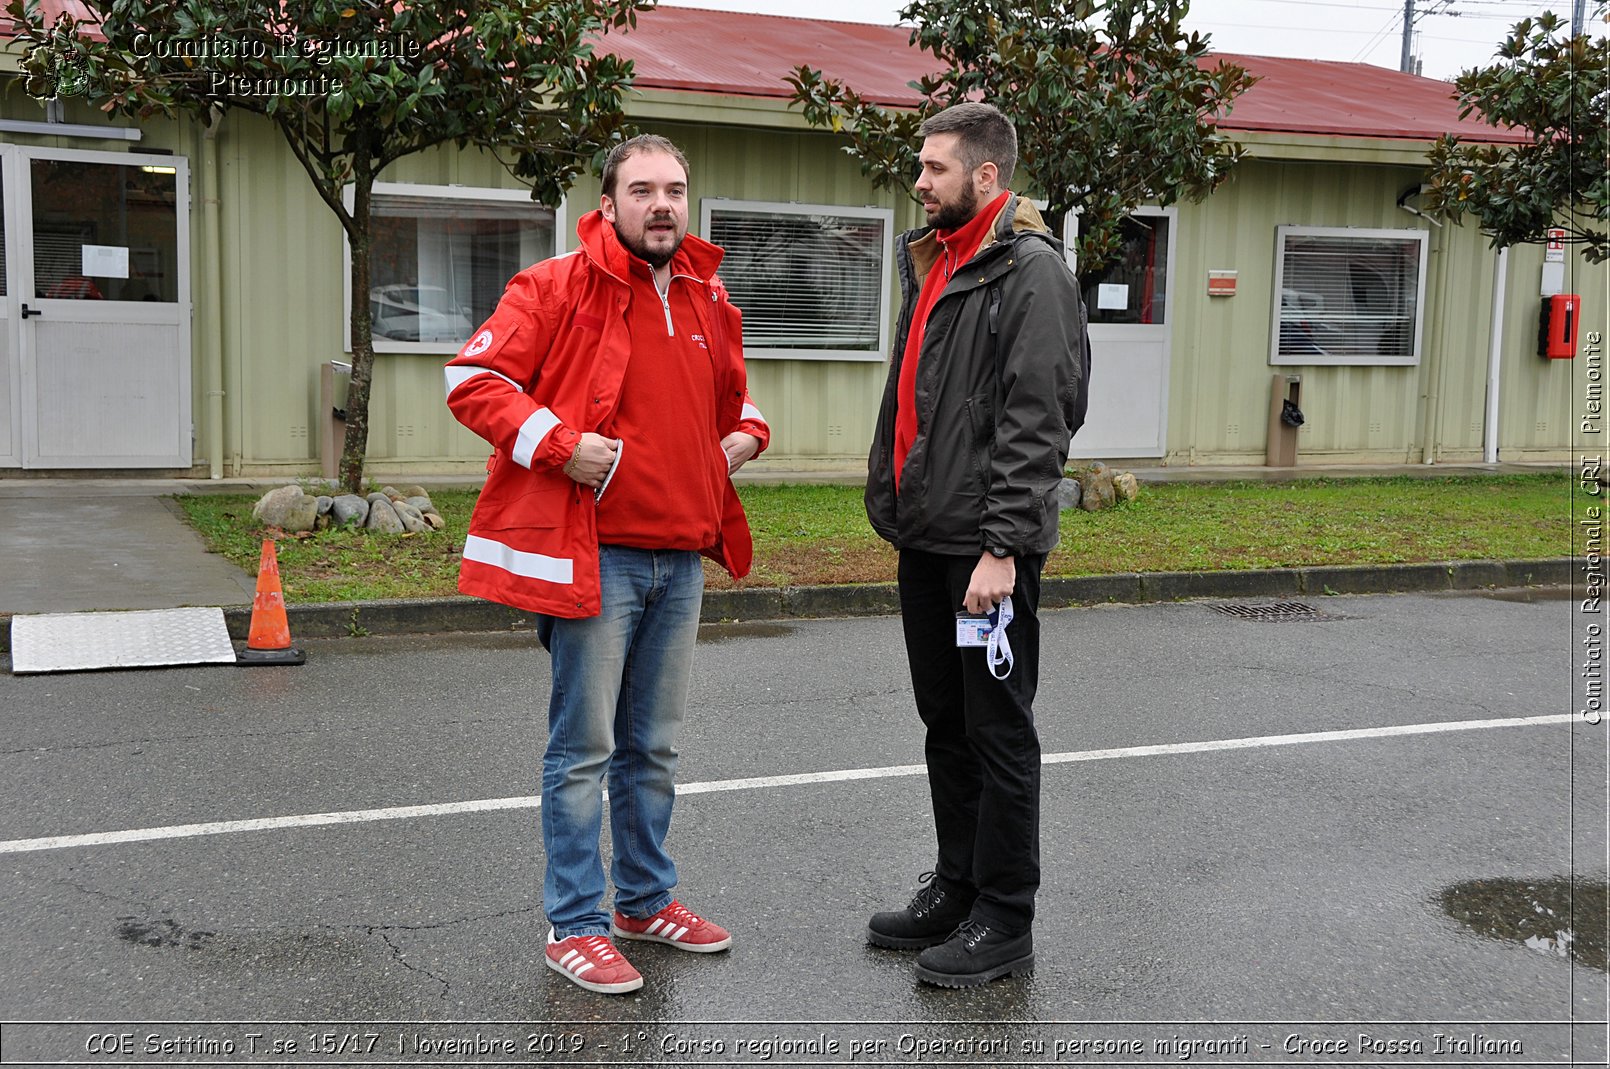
[(1348, 296), (1134, 287), (105, 231), (812, 281), (441, 258)]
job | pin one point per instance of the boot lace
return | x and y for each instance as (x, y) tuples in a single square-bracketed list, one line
[(971, 933), (929, 897)]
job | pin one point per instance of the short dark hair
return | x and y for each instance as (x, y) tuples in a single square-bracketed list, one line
[(630, 147), (984, 136)]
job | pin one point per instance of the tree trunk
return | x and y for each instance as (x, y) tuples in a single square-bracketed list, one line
[(356, 447)]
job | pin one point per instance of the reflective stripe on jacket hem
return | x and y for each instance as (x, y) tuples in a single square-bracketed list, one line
[(495, 554)]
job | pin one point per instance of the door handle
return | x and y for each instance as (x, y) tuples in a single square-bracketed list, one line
[(26, 313)]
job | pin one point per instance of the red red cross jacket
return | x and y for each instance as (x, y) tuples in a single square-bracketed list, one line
[(544, 368)]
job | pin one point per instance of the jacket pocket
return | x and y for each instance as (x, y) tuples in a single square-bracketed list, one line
[(529, 503), (980, 439)]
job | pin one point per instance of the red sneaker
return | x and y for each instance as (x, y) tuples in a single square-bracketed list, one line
[(675, 925), (591, 961)]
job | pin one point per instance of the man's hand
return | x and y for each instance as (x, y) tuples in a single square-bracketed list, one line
[(593, 460), (740, 449), (992, 581)]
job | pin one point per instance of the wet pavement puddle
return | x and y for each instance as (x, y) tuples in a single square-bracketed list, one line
[(1539, 914)]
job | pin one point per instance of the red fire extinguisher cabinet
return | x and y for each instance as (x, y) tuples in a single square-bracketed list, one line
[(1556, 336)]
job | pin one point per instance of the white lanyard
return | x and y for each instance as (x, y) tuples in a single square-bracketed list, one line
[(1000, 647)]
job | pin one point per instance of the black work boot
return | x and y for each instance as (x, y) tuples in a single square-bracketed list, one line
[(931, 917), (976, 954)]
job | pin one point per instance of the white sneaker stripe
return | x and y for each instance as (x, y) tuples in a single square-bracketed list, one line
[(679, 933), (565, 961), (583, 967), (655, 927)]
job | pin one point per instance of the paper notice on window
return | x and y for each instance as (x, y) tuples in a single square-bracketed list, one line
[(1111, 296), (106, 261)]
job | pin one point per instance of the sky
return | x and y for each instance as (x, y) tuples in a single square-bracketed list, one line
[(1450, 35)]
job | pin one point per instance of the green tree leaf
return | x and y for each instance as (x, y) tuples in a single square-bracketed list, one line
[(1554, 89), (1114, 104), (520, 78)]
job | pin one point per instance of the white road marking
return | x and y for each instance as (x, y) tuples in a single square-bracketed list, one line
[(408, 812)]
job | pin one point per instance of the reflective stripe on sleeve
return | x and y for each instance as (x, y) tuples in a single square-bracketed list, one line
[(751, 412), (532, 432), (517, 562), (459, 374)]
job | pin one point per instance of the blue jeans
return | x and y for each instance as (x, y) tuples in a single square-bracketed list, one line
[(620, 687)]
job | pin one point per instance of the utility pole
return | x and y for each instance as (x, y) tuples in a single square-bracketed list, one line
[(1406, 61), (1578, 13)]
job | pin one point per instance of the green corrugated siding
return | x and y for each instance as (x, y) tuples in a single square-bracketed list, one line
[(283, 314), (1221, 376)]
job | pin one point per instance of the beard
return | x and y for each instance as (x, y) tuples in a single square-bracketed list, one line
[(956, 213), (638, 245)]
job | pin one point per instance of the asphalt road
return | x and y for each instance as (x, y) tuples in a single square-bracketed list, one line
[(1369, 899)]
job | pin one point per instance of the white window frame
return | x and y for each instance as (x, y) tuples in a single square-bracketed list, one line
[(1347, 359), (709, 205), (412, 189)]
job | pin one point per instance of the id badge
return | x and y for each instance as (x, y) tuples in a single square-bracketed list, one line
[(972, 629)]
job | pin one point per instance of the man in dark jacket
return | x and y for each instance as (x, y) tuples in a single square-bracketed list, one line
[(985, 391)]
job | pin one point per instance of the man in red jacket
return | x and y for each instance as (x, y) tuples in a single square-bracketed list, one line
[(611, 384)]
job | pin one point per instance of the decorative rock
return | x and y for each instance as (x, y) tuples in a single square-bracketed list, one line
[(413, 520), (1067, 492), (1126, 486), (302, 515), (391, 492), (1098, 489), (434, 521), (382, 516), (420, 502), (325, 503), (273, 506), (414, 491), (349, 509)]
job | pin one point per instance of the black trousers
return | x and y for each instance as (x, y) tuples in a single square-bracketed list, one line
[(983, 752)]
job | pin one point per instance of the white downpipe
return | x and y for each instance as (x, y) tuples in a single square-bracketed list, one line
[(1494, 353), (212, 295)]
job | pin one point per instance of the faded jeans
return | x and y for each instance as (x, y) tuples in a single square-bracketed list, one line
[(620, 687)]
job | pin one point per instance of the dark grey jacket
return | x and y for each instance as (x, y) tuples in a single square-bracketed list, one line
[(1000, 392)]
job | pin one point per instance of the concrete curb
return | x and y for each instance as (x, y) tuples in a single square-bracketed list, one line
[(432, 615), (460, 614)]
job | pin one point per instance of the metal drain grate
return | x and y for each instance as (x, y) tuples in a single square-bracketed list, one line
[(1280, 610)]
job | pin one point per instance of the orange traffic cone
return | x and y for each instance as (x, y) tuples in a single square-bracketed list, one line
[(270, 639)]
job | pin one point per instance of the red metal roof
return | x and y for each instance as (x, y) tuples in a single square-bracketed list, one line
[(749, 55), (1311, 96)]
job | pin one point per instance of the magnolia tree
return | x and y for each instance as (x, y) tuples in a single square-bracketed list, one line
[(1555, 89), (1115, 105), (353, 86)]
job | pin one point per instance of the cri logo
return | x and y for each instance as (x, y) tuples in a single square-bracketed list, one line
[(481, 343), (54, 73)]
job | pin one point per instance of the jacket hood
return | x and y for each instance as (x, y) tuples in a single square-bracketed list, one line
[(599, 242)]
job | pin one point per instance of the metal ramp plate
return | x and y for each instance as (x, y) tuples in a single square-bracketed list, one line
[(84, 641)]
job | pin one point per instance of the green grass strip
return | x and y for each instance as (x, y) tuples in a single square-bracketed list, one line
[(810, 535)]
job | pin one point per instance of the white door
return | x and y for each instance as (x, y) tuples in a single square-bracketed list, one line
[(1129, 343), (98, 305)]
